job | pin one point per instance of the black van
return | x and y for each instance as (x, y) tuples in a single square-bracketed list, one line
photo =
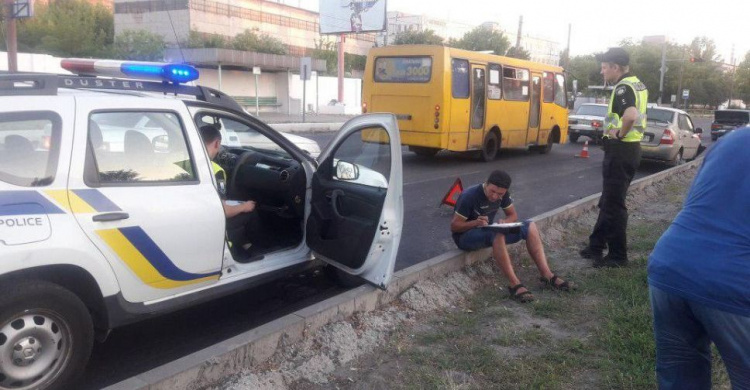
[(728, 120)]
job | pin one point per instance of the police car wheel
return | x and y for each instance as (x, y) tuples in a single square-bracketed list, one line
[(46, 335), (573, 139)]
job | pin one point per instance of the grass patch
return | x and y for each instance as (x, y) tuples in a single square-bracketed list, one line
[(600, 336)]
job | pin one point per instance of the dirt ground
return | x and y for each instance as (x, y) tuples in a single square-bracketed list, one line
[(462, 332)]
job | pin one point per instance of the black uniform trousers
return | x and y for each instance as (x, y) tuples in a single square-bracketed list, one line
[(621, 160)]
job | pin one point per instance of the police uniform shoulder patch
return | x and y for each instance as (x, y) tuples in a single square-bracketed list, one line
[(620, 91)]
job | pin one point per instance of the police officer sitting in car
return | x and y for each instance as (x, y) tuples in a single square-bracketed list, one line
[(239, 214)]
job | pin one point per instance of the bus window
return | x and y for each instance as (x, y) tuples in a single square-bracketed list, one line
[(403, 69), (516, 84), (460, 78), (494, 92), (477, 98), (548, 87), (560, 91)]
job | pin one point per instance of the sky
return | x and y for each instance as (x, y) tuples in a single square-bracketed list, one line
[(596, 24)]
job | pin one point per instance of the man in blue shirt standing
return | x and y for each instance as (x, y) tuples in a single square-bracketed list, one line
[(477, 207), (699, 274)]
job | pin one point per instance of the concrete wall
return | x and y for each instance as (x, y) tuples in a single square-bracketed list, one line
[(239, 83), (320, 91), (157, 23)]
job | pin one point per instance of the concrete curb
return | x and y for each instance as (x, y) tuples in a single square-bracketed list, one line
[(307, 127), (208, 366)]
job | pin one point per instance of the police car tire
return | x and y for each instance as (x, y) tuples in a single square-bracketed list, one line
[(18, 297), (573, 139)]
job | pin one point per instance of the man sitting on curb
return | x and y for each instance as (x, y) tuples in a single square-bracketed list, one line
[(477, 207)]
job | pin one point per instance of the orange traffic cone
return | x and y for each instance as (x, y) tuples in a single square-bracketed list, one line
[(585, 151)]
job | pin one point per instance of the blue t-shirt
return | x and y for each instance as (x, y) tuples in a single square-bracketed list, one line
[(705, 254), (473, 202)]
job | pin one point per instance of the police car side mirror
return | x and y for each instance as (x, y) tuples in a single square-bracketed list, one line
[(161, 144), (346, 171)]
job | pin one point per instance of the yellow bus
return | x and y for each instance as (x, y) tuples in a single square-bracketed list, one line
[(460, 100)]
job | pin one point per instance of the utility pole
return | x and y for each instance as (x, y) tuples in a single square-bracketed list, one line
[(734, 74), (679, 88), (342, 38), (567, 57), (10, 37), (662, 70), (520, 29)]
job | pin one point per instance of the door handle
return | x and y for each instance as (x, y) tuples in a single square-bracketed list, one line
[(109, 217), (335, 194)]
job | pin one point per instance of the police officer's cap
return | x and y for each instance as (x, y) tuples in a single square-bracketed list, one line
[(615, 55)]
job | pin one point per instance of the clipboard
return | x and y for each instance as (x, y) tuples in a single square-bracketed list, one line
[(504, 227)]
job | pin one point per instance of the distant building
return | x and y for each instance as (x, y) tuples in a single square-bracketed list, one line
[(544, 50), (106, 3), (296, 27), (399, 22)]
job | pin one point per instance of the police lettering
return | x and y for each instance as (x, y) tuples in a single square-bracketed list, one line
[(21, 222)]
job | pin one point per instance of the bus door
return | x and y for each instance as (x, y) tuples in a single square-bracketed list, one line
[(478, 106), (535, 108)]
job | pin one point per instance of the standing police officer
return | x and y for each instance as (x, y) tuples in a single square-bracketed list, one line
[(625, 123)]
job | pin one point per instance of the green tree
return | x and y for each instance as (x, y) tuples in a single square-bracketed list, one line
[(518, 52), (68, 28), (426, 37), (742, 80), (481, 39), (585, 69), (328, 51), (139, 45), (251, 41), (198, 40)]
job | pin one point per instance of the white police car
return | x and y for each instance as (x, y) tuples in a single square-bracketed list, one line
[(109, 212)]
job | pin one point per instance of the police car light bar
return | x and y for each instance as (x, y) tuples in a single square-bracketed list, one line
[(175, 73)]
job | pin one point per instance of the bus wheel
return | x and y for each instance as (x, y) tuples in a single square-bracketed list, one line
[(547, 148), (423, 151), (490, 147)]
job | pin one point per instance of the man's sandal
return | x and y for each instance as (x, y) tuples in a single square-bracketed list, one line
[(522, 297), (552, 283)]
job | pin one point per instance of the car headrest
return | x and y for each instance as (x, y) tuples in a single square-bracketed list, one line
[(137, 143)]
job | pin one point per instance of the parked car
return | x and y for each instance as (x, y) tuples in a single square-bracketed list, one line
[(728, 120), (588, 120), (670, 136)]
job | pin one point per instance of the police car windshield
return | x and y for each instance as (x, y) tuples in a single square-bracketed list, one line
[(235, 134), (592, 110), (29, 146), (656, 115)]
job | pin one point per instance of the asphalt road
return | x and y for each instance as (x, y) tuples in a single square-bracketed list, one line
[(540, 183)]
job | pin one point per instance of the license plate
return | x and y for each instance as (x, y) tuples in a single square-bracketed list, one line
[(403, 117)]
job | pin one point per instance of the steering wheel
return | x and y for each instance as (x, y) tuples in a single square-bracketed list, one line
[(247, 157)]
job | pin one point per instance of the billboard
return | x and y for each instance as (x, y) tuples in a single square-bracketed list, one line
[(352, 16)]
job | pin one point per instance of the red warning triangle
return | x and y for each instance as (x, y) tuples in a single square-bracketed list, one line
[(451, 197)]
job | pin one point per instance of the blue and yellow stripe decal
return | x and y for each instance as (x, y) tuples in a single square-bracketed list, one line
[(148, 261), (86, 201), (26, 203)]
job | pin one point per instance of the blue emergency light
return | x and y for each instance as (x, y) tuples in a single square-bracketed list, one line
[(174, 73)]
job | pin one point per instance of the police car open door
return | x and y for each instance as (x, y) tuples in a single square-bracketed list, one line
[(357, 204)]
